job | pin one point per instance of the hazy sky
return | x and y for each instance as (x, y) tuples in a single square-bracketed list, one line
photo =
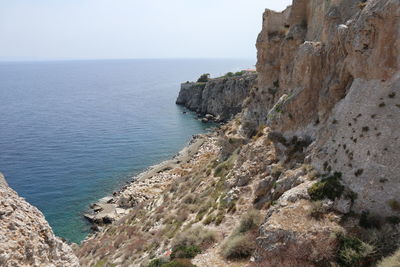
[(81, 29)]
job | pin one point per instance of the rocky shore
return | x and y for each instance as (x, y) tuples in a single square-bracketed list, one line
[(143, 187)]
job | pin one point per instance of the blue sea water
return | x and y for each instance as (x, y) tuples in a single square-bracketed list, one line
[(72, 132)]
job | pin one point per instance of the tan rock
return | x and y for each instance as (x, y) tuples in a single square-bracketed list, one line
[(26, 238)]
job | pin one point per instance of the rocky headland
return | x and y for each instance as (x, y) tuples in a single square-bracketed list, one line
[(217, 99), (304, 171)]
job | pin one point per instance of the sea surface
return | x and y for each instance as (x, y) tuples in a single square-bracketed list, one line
[(72, 132)]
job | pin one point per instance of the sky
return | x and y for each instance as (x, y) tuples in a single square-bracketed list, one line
[(114, 29)]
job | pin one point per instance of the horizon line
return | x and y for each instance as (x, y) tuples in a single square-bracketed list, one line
[(112, 59)]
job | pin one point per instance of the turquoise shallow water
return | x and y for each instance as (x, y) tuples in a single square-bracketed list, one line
[(72, 132)]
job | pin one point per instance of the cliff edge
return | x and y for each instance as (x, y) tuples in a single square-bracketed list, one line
[(26, 238), (220, 97)]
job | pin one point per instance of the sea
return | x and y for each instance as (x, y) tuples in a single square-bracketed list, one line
[(74, 131)]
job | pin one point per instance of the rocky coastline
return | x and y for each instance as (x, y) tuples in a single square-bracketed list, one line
[(303, 173), (218, 99), (110, 208)]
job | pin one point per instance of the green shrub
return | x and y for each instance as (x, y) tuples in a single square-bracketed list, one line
[(238, 247), (157, 262), (369, 221), (391, 261), (236, 74), (353, 251), (209, 219), (317, 210), (239, 73), (249, 221), (219, 219), (179, 263), (185, 252), (329, 187), (196, 236), (204, 78), (394, 205)]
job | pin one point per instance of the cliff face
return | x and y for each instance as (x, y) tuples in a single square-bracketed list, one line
[(329, 70), (26, 238), (221, 97)]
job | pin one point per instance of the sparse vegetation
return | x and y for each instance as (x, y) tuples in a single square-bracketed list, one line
[(249, 221), (179, 263), (157, 262), (241, 243), (204, 78), (236, 74), (317, 210), (185, 252), (369, 221), (197, 236), (394, 205), (329, 187), (353, 251), (238, 247), (260, 132)]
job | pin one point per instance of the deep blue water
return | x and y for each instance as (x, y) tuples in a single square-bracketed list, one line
[(72, 132)]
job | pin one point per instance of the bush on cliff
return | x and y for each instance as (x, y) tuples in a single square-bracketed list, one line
[(329, 187), (236, 74), (179, 263), (241, 244), (197, 236), (175, 263), (185, 252), (204, 78), (353, 251), (238, 247), (249, 221)]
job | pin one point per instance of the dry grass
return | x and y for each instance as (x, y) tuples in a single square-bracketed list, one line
[(238, 247), (195, 236)]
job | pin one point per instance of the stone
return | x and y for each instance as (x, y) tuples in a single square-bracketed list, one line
[(26, 238), (264, 187), (209, 117), (290, 238), (343, 205)]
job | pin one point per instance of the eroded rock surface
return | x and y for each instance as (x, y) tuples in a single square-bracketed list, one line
[(26, 238), (221, 97), (329, 71)]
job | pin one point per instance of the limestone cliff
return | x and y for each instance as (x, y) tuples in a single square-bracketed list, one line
[(221, 97), (329, 70), (26, 238)]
